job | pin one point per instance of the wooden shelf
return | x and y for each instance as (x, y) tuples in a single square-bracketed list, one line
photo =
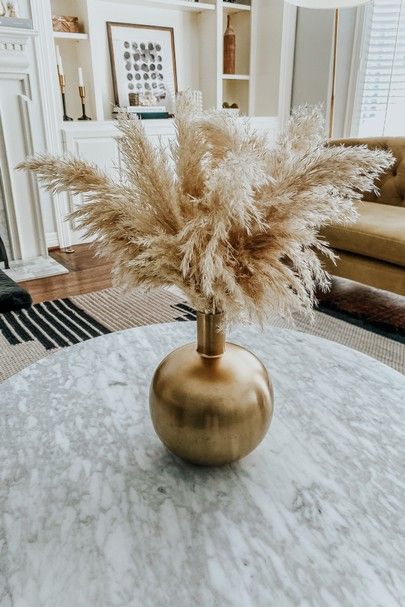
[(230, 7), (197, 7), (70, 36), (235, 77)]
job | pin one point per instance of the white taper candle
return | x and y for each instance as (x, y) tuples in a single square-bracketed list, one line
[(59, 60), (81, 82)]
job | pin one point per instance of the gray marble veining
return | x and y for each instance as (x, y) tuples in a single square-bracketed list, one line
[(95, 513)]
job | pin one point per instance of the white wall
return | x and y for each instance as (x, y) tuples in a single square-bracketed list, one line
[(313, 57), (270, 22)]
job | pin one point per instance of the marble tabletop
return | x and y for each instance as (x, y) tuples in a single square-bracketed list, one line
[(94, 512)]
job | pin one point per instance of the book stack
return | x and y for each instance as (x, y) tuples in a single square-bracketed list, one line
[(148, 111), (145, 112)]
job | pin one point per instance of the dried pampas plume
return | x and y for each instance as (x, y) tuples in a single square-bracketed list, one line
[(228, 219)]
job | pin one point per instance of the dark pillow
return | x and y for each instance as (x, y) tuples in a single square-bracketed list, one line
[(12, 296)]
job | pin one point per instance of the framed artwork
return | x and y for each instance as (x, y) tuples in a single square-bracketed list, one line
[(143, 60)]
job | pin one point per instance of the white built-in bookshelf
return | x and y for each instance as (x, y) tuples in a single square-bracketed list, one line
[(198, 30)]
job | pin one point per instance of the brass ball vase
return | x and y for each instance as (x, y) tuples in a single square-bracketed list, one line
[(211, 403)]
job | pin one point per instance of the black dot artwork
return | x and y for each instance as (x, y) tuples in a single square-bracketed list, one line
[(144, 68)]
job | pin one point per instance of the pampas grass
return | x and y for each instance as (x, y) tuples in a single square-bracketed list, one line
[(231, 221)]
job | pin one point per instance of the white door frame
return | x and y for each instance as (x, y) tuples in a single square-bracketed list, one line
[(287, 62)]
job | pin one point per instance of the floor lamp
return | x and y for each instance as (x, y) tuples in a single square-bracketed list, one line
[(335, 5)]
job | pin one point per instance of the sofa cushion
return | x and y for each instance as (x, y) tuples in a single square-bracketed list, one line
[(378, 233), (391, 185)]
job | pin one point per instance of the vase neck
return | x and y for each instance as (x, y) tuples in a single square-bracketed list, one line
[(210, 334)]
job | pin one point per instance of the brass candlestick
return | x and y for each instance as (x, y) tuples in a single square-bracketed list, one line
[(82, 93), (62, 91)]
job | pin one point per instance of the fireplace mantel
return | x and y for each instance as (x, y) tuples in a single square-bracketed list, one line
[(19, 133)]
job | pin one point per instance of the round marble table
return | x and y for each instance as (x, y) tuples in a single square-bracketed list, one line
[(96, 513)]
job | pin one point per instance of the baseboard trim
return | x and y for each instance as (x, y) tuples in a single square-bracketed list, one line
[(52, 240)]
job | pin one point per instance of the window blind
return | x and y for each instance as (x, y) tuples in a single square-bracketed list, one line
[(382, 78)]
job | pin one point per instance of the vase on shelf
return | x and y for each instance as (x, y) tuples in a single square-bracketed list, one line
[(212, 402), (229, 48)]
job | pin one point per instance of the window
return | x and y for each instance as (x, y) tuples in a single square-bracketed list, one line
[(381, 90)]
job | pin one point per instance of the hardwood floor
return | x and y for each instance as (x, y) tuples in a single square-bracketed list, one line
[(89, 273)]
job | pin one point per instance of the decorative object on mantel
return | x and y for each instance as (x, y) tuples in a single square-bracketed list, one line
[(82, 93), (65, 24), (235, 225), (62, 84), (229, 49), (143, 61), (12, 9), (9, 8)]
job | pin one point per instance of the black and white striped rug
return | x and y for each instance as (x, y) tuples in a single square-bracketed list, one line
[(30, 334), (53, 324)]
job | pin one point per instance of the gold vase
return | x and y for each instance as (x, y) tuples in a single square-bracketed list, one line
[(211, 404)]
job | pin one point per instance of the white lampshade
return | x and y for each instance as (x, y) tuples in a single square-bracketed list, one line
[(331, 4)]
